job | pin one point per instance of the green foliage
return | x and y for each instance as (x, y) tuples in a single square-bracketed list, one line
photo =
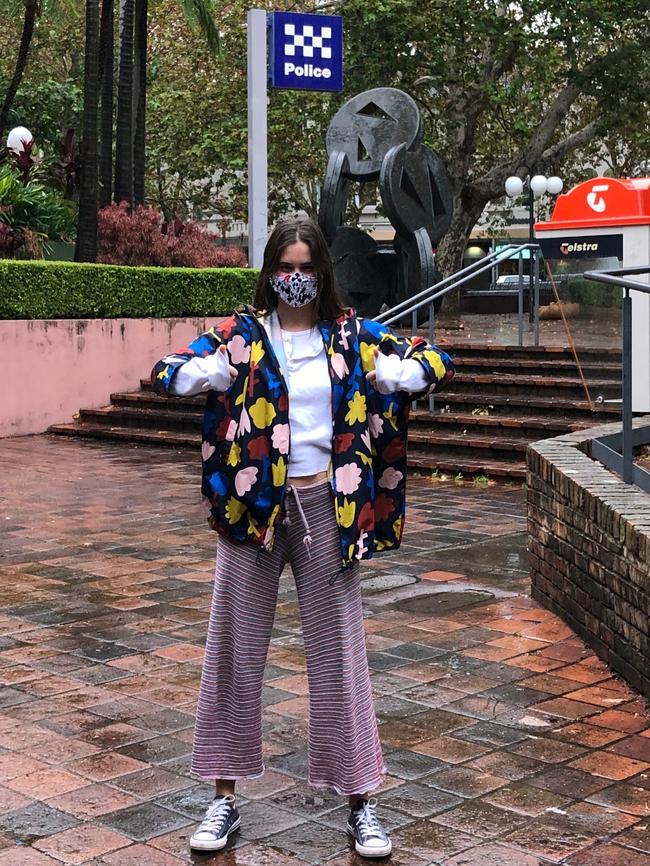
[(34, 207), (47, 108), (589, 293), (67, 290)]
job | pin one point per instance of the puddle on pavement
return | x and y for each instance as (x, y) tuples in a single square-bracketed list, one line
[(502, 557), (442, 602)]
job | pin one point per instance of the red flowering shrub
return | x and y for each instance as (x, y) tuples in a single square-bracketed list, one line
[(140, 237), (133, 238)]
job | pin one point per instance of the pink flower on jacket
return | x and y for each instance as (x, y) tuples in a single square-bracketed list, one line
[(245, 479), (348, 478), (231, 431), (339, 365), (376, 424), (207, 450), (244, 422), (240, 353), (280, 438), (390, 478)]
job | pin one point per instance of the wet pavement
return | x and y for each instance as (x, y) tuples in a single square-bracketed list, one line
[(508, 743), (599, 328)]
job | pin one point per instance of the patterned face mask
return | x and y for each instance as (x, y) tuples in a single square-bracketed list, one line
[(297, 289)]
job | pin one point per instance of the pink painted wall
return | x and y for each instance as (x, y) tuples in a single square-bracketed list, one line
[(52, 368)]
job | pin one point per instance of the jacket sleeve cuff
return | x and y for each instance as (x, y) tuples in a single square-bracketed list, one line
[(397, 374), (201, 374)]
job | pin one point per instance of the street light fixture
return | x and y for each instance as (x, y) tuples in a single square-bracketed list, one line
[(19, 138), (538, 185)]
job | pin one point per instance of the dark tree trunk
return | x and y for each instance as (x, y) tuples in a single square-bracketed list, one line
[(86, 249), (106, 37), (31, 13), (140, 100), (449, 256), (124, 130)]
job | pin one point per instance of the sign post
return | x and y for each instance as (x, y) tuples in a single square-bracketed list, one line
[(306, 54), (257, 138)]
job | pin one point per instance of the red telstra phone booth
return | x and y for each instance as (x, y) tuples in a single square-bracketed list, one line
[(601, 224)]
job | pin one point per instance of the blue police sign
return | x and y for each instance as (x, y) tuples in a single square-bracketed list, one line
[(306, 51)]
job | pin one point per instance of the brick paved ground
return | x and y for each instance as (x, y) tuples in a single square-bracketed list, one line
[(508, 743)]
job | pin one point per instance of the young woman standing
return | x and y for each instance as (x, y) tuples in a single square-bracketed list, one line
[(304, 462)]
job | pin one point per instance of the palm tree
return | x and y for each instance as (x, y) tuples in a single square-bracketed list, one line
[(124, 128), (140, 99), (131, 122), (86, 249), (106, 113)]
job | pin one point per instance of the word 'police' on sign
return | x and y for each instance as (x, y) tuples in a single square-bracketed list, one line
[(306, 51)]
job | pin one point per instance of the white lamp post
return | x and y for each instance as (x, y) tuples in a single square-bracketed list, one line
[(18, 138), (538, 185)]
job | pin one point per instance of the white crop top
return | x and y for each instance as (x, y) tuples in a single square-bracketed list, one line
[(306, 373)]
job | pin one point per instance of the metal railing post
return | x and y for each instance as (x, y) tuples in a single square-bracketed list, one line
[(536, 292), (414, 330), (431, 338), (521, 299), (628, 468)]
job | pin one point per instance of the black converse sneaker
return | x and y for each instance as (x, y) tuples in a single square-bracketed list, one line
[(370, 838), (220, 821)]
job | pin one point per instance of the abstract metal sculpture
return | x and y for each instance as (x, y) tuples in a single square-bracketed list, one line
[(377, 137)]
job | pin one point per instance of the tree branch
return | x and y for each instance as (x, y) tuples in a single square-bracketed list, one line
[(557, 152)]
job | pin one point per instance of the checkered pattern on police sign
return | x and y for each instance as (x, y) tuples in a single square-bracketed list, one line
[(306, 42)]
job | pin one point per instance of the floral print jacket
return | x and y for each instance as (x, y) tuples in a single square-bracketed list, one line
[(245, 431)]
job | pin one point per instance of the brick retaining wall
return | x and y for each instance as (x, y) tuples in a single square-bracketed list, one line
[(589, 549)]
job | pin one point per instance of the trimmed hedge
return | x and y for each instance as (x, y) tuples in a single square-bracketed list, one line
[(69, 290)]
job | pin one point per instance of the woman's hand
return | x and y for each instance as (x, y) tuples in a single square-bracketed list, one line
[(393, 373), (231, 370)]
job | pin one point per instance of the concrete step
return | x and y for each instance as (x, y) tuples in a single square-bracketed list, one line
[(528, 385), (142, 435), (525, 366), (530, 427), (445, 460), (453, 464), (522, 404)]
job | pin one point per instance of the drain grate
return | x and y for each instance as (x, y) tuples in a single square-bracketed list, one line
[(387, 581)]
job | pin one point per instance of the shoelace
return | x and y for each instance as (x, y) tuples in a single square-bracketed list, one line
[(367, 820), (217, 814)]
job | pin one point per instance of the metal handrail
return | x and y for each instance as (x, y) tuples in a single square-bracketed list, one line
[(458, 280), (616, 277), (478, 266)]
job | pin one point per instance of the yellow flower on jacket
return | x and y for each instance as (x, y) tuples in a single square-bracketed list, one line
[(257, 351), (434, 359), (279, 472), (357, 409), (391, 417), (262, 412), (234, 510), (234, 455), (367, 356), (346, 513)]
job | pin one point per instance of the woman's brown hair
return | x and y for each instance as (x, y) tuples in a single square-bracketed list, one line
[(329, 304)]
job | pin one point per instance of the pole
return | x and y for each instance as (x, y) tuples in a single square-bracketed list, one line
[(536, 308), (628, 467), (531, 240), (520, 298), (257, 139)]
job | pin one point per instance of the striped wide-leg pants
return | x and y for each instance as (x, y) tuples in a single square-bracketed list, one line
[(344, 749)]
